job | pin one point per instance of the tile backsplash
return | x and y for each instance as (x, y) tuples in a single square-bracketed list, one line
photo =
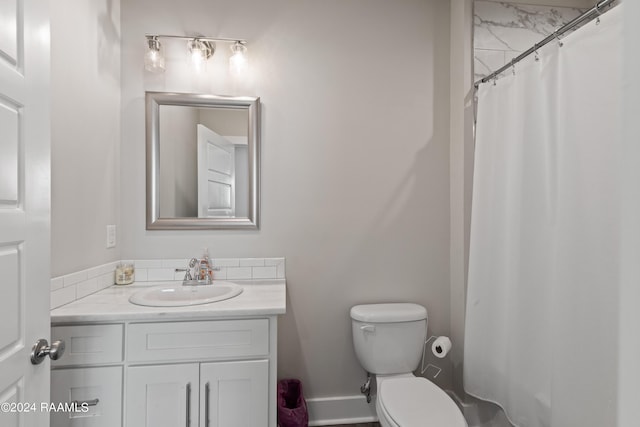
[(68, 288)]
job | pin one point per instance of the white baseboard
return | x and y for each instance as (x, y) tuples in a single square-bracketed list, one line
[(327, 411)]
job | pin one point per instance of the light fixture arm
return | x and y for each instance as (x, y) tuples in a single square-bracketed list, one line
[(200, 48), (201, 38)]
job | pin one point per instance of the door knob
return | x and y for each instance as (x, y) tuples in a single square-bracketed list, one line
[(41, 349)]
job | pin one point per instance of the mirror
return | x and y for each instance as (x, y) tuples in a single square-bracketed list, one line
[(202, 161)]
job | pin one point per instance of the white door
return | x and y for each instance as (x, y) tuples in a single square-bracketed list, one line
[(216, 175), (162, 396), (234, 394), (24, 207)]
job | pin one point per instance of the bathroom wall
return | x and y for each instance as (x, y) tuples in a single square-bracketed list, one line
[(85, 132), (503, 30), (355, 160), (178, 153), (629, 345)]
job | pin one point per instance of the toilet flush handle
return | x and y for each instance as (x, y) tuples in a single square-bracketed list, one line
[(368, 328)]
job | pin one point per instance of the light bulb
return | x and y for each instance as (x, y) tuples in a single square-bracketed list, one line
[(153, 58), (199, 52), (238, 61)]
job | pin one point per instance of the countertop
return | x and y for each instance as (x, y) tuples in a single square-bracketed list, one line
[(258, 298)]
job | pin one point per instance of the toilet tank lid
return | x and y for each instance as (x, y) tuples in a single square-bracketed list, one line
[(388, 313)]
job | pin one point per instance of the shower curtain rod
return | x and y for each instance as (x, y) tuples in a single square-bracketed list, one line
[(592, 13)]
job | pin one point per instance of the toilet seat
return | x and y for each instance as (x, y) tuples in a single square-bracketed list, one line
[(417, 402)]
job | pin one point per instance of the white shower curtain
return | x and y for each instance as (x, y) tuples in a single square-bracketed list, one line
[(541, 321)]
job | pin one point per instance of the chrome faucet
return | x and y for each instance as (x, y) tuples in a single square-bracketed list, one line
[(192, 279), (188, 277)]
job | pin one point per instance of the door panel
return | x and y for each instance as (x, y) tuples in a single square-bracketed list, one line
[(216, 174), (24, 206), (11, 23), (9, 160)]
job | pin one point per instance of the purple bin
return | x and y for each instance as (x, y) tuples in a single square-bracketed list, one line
[(292, 409)]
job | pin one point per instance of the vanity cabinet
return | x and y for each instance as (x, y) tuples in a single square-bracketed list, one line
[(205, 373), (100, 389), (163, 396), (76, 377), (233, 393), (214, 394)]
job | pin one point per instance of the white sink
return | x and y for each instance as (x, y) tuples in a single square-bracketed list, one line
[(179, 296)]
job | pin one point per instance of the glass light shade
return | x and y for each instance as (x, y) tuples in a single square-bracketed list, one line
[(199, 52), (238, 63), (153, 57)]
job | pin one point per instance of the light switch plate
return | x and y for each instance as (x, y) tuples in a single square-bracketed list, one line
[(111, 236)]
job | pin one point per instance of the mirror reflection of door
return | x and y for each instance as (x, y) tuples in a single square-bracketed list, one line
[(204, 162), (216, 174)]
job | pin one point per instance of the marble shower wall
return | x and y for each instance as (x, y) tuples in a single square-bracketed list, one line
[(502, 30)]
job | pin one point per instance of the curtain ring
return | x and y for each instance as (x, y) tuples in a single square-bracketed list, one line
[(597, 9), (535, 51), (555, 34), (513, 67)]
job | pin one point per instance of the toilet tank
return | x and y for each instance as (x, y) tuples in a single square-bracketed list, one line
[(388, 338)]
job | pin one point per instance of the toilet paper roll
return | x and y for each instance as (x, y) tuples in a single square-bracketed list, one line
[(441, 347)]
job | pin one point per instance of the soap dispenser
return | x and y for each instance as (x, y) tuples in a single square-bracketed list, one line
[(205, 272)]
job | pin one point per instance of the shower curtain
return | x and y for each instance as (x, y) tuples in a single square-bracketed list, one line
[(541, 319)]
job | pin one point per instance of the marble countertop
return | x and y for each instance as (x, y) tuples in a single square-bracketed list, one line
[(258, 298)]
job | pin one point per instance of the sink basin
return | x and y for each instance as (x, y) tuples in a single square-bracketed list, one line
[(180, 296)]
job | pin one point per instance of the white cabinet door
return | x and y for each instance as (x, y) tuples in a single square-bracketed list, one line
[(162, 396), (99, 388), (234, 394)]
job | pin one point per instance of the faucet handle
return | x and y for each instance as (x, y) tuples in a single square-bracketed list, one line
[(187, 273)]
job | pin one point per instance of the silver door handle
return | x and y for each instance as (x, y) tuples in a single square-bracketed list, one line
[(80, 403), (188, 404), (206, 405), (41, 350)]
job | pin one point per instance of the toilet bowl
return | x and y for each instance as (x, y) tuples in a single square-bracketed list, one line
[(415, 401), (388, 339)]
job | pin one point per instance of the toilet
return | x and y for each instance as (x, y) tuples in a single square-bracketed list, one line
[(388, 340)]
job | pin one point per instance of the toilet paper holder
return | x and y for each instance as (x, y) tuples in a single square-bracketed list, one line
[(423, 368)]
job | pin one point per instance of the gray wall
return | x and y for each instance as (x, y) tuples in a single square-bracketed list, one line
[(355, 160), (178, 161), (225, 122), (85, 132), (629, 319)]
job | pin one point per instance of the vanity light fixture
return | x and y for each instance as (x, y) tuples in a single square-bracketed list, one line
[(153, 58), (199, 52), (238, 59), (200, 49)]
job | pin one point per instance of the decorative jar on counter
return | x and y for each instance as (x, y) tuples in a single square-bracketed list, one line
[(125, 274)]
